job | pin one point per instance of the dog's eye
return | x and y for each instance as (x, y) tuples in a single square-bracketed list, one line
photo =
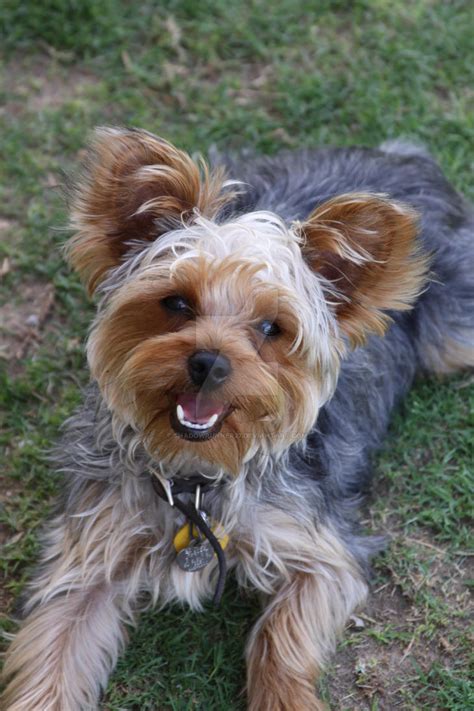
[(269, 328), (176, 303)]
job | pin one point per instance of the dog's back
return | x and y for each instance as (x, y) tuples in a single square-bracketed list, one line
[(436, 336)]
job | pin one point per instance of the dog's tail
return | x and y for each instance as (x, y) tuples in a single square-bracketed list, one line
[(444, 318)]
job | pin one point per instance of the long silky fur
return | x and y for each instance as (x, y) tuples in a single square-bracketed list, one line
[(290, 512)]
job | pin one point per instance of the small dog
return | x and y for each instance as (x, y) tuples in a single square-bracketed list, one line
[(241, 380)]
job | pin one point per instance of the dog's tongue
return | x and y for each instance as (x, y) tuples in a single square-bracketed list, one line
[(198, 408)]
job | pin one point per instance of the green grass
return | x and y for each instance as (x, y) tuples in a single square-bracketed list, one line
[(268, 75)]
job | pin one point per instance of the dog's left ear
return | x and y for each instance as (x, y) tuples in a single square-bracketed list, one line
[(134, 186), (365, 246)]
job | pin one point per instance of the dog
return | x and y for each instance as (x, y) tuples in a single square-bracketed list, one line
[(257, 323)]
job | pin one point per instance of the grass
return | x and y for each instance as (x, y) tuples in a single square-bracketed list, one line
[(266, 75)]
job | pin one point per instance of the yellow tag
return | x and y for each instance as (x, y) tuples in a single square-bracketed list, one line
[(183, 538)]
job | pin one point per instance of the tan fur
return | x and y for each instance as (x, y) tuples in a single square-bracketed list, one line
[(292, 640), (138, 353), (98, 562), (365, 246), (456, 355), (93, 569), (65, 649), (57, 660), (132, 181)]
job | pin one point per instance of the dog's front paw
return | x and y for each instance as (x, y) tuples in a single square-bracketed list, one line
[(284, 697), (271, 689)]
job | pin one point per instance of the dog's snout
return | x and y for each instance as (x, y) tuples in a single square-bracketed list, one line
[(208, 368)]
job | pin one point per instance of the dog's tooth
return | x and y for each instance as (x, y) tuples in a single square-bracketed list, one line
[(191, 425), (195, 425)]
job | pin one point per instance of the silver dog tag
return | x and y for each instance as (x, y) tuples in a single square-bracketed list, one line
[(195, 556)]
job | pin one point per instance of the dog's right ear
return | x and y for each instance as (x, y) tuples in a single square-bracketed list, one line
[(134, 187)]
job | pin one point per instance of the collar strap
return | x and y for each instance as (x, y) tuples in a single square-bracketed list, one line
[(188, 486), (193, 515)]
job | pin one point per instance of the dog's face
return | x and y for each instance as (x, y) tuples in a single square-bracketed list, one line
[(215, 339), (210, 348)]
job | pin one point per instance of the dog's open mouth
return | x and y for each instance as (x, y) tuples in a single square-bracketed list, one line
[(197, 417)]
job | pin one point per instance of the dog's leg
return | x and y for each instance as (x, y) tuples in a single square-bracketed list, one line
[(78, 603), (298, 629), (62, 656)]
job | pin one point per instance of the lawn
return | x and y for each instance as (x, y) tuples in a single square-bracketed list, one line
[(263, 75)]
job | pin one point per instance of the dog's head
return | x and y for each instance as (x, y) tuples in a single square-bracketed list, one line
[(218, 337)]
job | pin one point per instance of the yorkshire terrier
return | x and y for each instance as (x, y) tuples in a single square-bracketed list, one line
[(253, 334)]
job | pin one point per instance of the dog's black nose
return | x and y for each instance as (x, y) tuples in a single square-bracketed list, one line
[(208, 368)]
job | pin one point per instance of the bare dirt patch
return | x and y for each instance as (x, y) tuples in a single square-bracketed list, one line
[(395, 639), (44, 84), (21, 323), (363, 669)]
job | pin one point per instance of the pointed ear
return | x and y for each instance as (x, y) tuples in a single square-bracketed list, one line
[(134, 187), (365, 246)]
